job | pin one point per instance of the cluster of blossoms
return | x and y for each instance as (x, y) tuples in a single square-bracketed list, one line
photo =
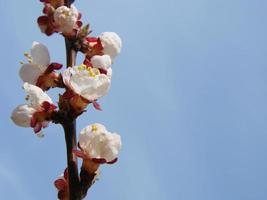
[(83, 84)]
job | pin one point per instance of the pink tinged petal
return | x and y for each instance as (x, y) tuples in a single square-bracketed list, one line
[(40, 54), (80, 154), (97, 106), (30, 73)]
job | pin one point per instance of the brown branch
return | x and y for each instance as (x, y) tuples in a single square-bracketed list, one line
[(78, 187), (73, 176), (69, 126), (88, 176)]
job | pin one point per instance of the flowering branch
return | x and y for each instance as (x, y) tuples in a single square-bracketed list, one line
[(84, 85), (70, 132)]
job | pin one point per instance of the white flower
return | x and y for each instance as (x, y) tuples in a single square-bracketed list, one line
[(22, 115), (111, 43), (33, 114), (66, 18), (98, 143), (102, 62), (39, 60), (87, 82)]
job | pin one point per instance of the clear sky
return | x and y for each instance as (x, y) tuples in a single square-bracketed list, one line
[(188, 97)]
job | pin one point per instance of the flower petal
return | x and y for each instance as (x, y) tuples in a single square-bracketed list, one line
[(103, 62), (40, 55), (96, 87), (22, 115), (100, 145), (111, 43), (30, 73), (36, 96)]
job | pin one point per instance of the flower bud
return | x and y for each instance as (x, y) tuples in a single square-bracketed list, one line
[(66, 18), (22, 115), (98, 144), (111, 43)]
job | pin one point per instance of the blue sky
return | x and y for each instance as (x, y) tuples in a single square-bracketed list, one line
[(188, 97)]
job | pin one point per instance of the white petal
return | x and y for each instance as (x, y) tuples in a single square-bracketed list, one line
[(35, 95), (22, 115), (74, 11), (66, 76), (40, 54), (81, 83), (109, 73), (111, 43), (97, 87), (30, 73), (103, 62), (98, 143)]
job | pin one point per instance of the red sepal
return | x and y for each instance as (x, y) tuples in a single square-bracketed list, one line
[(97, 106), (42, 20), (102, 71), (99, 160), (87, 62), (60, 184), (52, 67), (113, 161), (91, 39), (68, 94)]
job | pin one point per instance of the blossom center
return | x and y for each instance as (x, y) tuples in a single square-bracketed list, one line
[(92, 72), (94, 128), (28, 56)]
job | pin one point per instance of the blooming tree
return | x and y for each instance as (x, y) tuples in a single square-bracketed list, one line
[(83, 85)]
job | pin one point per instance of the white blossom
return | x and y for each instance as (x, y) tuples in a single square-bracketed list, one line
[(66, 18), (102, 62), (111, 43), (26, 115), (98, 143), (39, 59), (87, 82)]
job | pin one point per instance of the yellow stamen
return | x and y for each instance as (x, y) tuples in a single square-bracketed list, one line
[(92, 72), (94, 128), (82, 67), (28, 56)]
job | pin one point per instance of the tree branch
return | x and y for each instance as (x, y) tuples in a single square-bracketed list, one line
[(69, 126)]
